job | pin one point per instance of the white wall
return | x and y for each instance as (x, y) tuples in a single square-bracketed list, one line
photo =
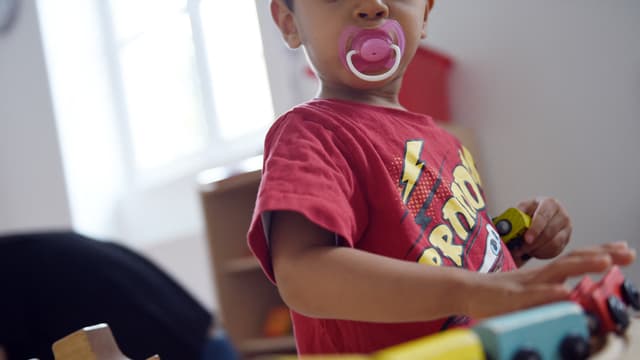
[(32, 186), (552, 89)]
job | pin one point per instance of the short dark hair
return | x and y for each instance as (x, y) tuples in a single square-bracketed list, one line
[(289, 4)]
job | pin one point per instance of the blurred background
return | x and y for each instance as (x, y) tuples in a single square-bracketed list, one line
[(109, 111)]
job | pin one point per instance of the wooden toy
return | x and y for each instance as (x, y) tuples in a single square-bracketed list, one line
[(606, 302), (462, 344), (90, 343), (554, 331), (511, 226)]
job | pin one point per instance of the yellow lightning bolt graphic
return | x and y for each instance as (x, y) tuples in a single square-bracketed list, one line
[(412, 167)]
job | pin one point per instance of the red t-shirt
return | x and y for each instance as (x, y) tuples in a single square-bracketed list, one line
[(386, 181)]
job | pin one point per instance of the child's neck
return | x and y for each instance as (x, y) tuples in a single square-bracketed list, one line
[(385, 96)]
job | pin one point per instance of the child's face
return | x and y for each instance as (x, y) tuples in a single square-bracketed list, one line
[(317, 25)]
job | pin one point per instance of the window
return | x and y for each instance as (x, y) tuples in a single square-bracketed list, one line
[(192, 79), (148, 93)]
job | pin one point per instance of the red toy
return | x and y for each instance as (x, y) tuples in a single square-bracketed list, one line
[(606, 302), (614, 282)]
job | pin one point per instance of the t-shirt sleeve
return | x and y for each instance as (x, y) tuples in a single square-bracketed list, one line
[(306, 170)]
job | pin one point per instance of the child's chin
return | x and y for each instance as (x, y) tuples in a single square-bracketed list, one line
[(358, 83)]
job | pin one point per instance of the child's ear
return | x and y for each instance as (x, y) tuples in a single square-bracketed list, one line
[(283, 17), (427, 10)]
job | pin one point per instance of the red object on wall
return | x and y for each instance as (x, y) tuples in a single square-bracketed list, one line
[(425, 86)]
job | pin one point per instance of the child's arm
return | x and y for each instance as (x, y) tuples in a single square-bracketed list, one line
[(321, 280)]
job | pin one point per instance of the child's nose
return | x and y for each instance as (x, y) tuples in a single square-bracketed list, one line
[(371, 10)]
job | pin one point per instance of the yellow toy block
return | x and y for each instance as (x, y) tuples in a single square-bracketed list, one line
[(511, 225), (319, 357), (459, 344)]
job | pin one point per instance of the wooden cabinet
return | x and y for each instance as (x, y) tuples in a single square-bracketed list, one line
[(245, 295)]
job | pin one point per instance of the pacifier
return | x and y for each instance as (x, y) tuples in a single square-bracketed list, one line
[(372, 54)]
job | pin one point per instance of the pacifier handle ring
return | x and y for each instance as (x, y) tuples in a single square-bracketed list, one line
[(379, 77)]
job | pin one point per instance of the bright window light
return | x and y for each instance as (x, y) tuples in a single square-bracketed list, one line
[(233, 42), (193, 78)]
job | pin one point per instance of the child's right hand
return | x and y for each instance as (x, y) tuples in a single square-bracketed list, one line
[(499, 293)]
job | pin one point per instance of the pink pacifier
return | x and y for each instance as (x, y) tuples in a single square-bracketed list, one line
[(372, 50)]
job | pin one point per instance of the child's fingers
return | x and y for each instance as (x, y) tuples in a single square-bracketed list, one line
[(528, 206), (548, 218), (573, 265), (623, 257), (560, 222), (619, 252), (588, 260), (549, 247), (522, 288)]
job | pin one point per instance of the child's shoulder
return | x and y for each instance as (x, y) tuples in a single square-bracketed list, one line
[(337, 109), (317, 108), (349, 119), (310, 113)]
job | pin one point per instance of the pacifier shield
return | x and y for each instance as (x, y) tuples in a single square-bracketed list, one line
[(372, 54)]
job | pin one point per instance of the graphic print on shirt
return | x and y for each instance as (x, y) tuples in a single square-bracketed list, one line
[(412, 167), (444, 200)]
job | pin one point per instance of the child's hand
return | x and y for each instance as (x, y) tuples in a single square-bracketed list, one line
[(498, 293), (550, 228)]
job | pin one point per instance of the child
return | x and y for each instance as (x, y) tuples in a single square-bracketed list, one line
[(369, 217)]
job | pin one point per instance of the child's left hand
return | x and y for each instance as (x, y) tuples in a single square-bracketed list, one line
[(550, 228)]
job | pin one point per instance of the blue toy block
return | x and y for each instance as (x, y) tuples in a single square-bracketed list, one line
[(549, 332)]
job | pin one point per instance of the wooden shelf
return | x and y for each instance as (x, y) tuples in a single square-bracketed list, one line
[(248, 263), (267, 345), (208, 182), (245, 295)]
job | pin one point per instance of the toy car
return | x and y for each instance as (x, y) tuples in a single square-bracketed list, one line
[(511, 226), (614, 282), (606, 302)]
